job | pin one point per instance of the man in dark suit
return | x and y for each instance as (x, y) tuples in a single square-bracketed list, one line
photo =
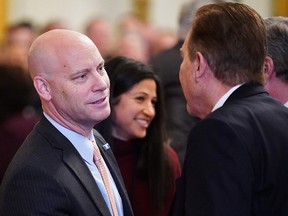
[(237, 154), (167, 64), (53, 172)]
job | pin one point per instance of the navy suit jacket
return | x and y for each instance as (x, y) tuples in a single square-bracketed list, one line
[(48, 177), (236, 162)]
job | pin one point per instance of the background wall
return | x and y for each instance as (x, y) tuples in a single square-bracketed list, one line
[(162, 13), (3, 16)]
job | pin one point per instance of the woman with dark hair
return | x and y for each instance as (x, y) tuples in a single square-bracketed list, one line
[(137, 135)]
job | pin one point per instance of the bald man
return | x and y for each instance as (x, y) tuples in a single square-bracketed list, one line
[(53, 172)]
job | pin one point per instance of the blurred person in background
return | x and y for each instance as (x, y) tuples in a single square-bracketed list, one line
[(99, 31), (163, 40), (138, 38), (54, 24), (276, 63), (17, 113), (132, 45), (17, 42)]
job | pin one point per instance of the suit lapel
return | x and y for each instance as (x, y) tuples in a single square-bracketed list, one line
[(83, 173), (74, 161)]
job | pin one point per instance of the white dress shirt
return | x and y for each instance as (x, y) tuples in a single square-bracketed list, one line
[(222, 100)]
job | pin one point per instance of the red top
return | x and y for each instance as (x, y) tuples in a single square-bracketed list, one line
[(12, 134), (137, 189)]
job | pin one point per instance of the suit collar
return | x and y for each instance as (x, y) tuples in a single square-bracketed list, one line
[(247, 90), (74, 161), (82, 172), (80, 142), (222, 100)]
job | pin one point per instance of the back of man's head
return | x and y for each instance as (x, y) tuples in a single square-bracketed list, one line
[(232, 39)]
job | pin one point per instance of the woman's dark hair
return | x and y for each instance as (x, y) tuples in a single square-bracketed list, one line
[(153, 162)]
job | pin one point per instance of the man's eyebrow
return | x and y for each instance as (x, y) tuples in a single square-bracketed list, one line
[(79, 72), (84, 70), (101, 64)]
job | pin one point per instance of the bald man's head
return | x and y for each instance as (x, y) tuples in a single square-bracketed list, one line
[(48, 52), (69, 76)]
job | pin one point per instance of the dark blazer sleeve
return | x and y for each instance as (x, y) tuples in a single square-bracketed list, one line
[(24, 195)]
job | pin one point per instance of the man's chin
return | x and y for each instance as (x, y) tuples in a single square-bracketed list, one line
[(104, 115)]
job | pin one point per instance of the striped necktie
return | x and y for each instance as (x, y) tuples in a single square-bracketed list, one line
[(100, 164)]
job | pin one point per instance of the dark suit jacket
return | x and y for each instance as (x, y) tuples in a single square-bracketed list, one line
[(237, 159), (48, 177)]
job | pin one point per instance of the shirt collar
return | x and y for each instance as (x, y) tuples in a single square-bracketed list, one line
[(222, 100), (286, 104), (82, 144)]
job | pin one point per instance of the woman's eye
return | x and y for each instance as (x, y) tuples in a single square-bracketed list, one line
[(140, 98)]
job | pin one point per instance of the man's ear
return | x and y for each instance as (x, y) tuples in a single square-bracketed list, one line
[(42, 87), (268, 68), (201, 66)]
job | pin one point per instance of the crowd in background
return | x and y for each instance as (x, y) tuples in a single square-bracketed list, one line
[(131, 37)]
